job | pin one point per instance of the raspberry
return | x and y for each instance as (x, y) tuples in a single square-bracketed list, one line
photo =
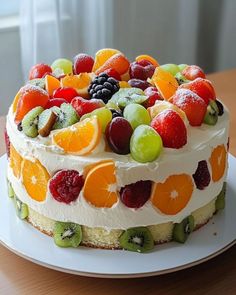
[(103, 87), (202, 176), (193, 105), (7, 142), (135, 195), (66, 185), (171, 128)]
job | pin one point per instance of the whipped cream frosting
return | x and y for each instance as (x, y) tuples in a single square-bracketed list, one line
[(201, 140)]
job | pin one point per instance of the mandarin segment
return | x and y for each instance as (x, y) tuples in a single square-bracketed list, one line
[(15, 161), (165, 82), (80, 138), (102, 56), (35, 179), (100, 185), (171, 196), (149, 58), (218, 162), (117, 62), (51, 84)]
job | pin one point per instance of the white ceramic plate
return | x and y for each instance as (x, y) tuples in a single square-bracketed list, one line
[(211, 240)]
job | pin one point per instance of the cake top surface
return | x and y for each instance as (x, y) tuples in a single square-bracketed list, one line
[(110, 106)]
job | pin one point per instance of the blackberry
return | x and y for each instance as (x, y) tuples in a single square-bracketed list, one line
[(103, 87)]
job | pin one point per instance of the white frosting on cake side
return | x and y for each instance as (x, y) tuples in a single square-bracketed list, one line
[(201, 140)]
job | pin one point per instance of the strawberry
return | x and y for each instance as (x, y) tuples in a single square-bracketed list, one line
[(84, 106), (202, 87), (55, 102), (193, 105), (68, 93), (193, 72), (171, 128), (113, 73)]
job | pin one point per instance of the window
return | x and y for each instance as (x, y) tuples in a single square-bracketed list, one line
[(9, 7)]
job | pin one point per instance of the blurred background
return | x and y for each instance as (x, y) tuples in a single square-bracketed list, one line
[(199, 32)]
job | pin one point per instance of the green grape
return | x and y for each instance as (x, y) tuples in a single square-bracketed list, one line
[(64, 64), (182, 67), (104, 116), (171, 68), (145, 144), (136, 115)]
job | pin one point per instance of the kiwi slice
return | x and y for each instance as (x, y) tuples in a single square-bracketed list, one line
[(211, 116), (46, 121), (126, 96), (66, 116), (220, 200), (30, 122), (21, 208), (40, 82), (10, 190), (137, 239), (183, 229), (181, 78), (67, 234)]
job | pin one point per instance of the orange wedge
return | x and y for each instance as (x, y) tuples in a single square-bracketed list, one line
[(218, 162), (80, 138), (51, 84), (79, 82), (171, 196), (35, 179), (15, 161), (165, 82), (102, 56), (149, 58), (100, 185), (15, 101)]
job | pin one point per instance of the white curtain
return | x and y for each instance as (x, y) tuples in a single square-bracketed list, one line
[(178, 31)]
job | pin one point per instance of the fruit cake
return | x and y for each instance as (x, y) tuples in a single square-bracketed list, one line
[(108, 153)]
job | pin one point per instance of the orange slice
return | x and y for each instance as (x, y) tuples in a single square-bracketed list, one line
[(218, 162), (79, 82), (100, 185), (35, 179), (15, 161), (15, 101), (51, 84), (117, 62), (102, 56), (165, 82), (80, 138), (149, 58), (171, 196)]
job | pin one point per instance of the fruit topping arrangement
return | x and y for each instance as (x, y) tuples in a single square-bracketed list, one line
[(136, 107)]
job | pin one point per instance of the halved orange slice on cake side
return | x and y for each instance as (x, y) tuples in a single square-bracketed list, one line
[(15, 161), (171, 196), (218, 162), (35, 179), (100, 185), (165, 82), (80, 138)]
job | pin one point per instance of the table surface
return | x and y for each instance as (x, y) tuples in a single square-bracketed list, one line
[(217, 276)]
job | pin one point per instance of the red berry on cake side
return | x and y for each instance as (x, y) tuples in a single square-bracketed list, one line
[(171, 128), (84, 106), (135, 195), (7, 142), (82, 63), (202, 87), (202, 175), (68, 93), (153, 95), (39, 70), (193, 72), (66, 185), (193, 105)]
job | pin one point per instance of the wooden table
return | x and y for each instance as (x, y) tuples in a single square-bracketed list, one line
[(217, 276)]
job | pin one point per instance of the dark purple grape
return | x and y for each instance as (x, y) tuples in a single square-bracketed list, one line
[(202, 176)]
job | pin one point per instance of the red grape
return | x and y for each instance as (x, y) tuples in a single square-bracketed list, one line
[(39, 70), (138, 83), (83, 63)]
